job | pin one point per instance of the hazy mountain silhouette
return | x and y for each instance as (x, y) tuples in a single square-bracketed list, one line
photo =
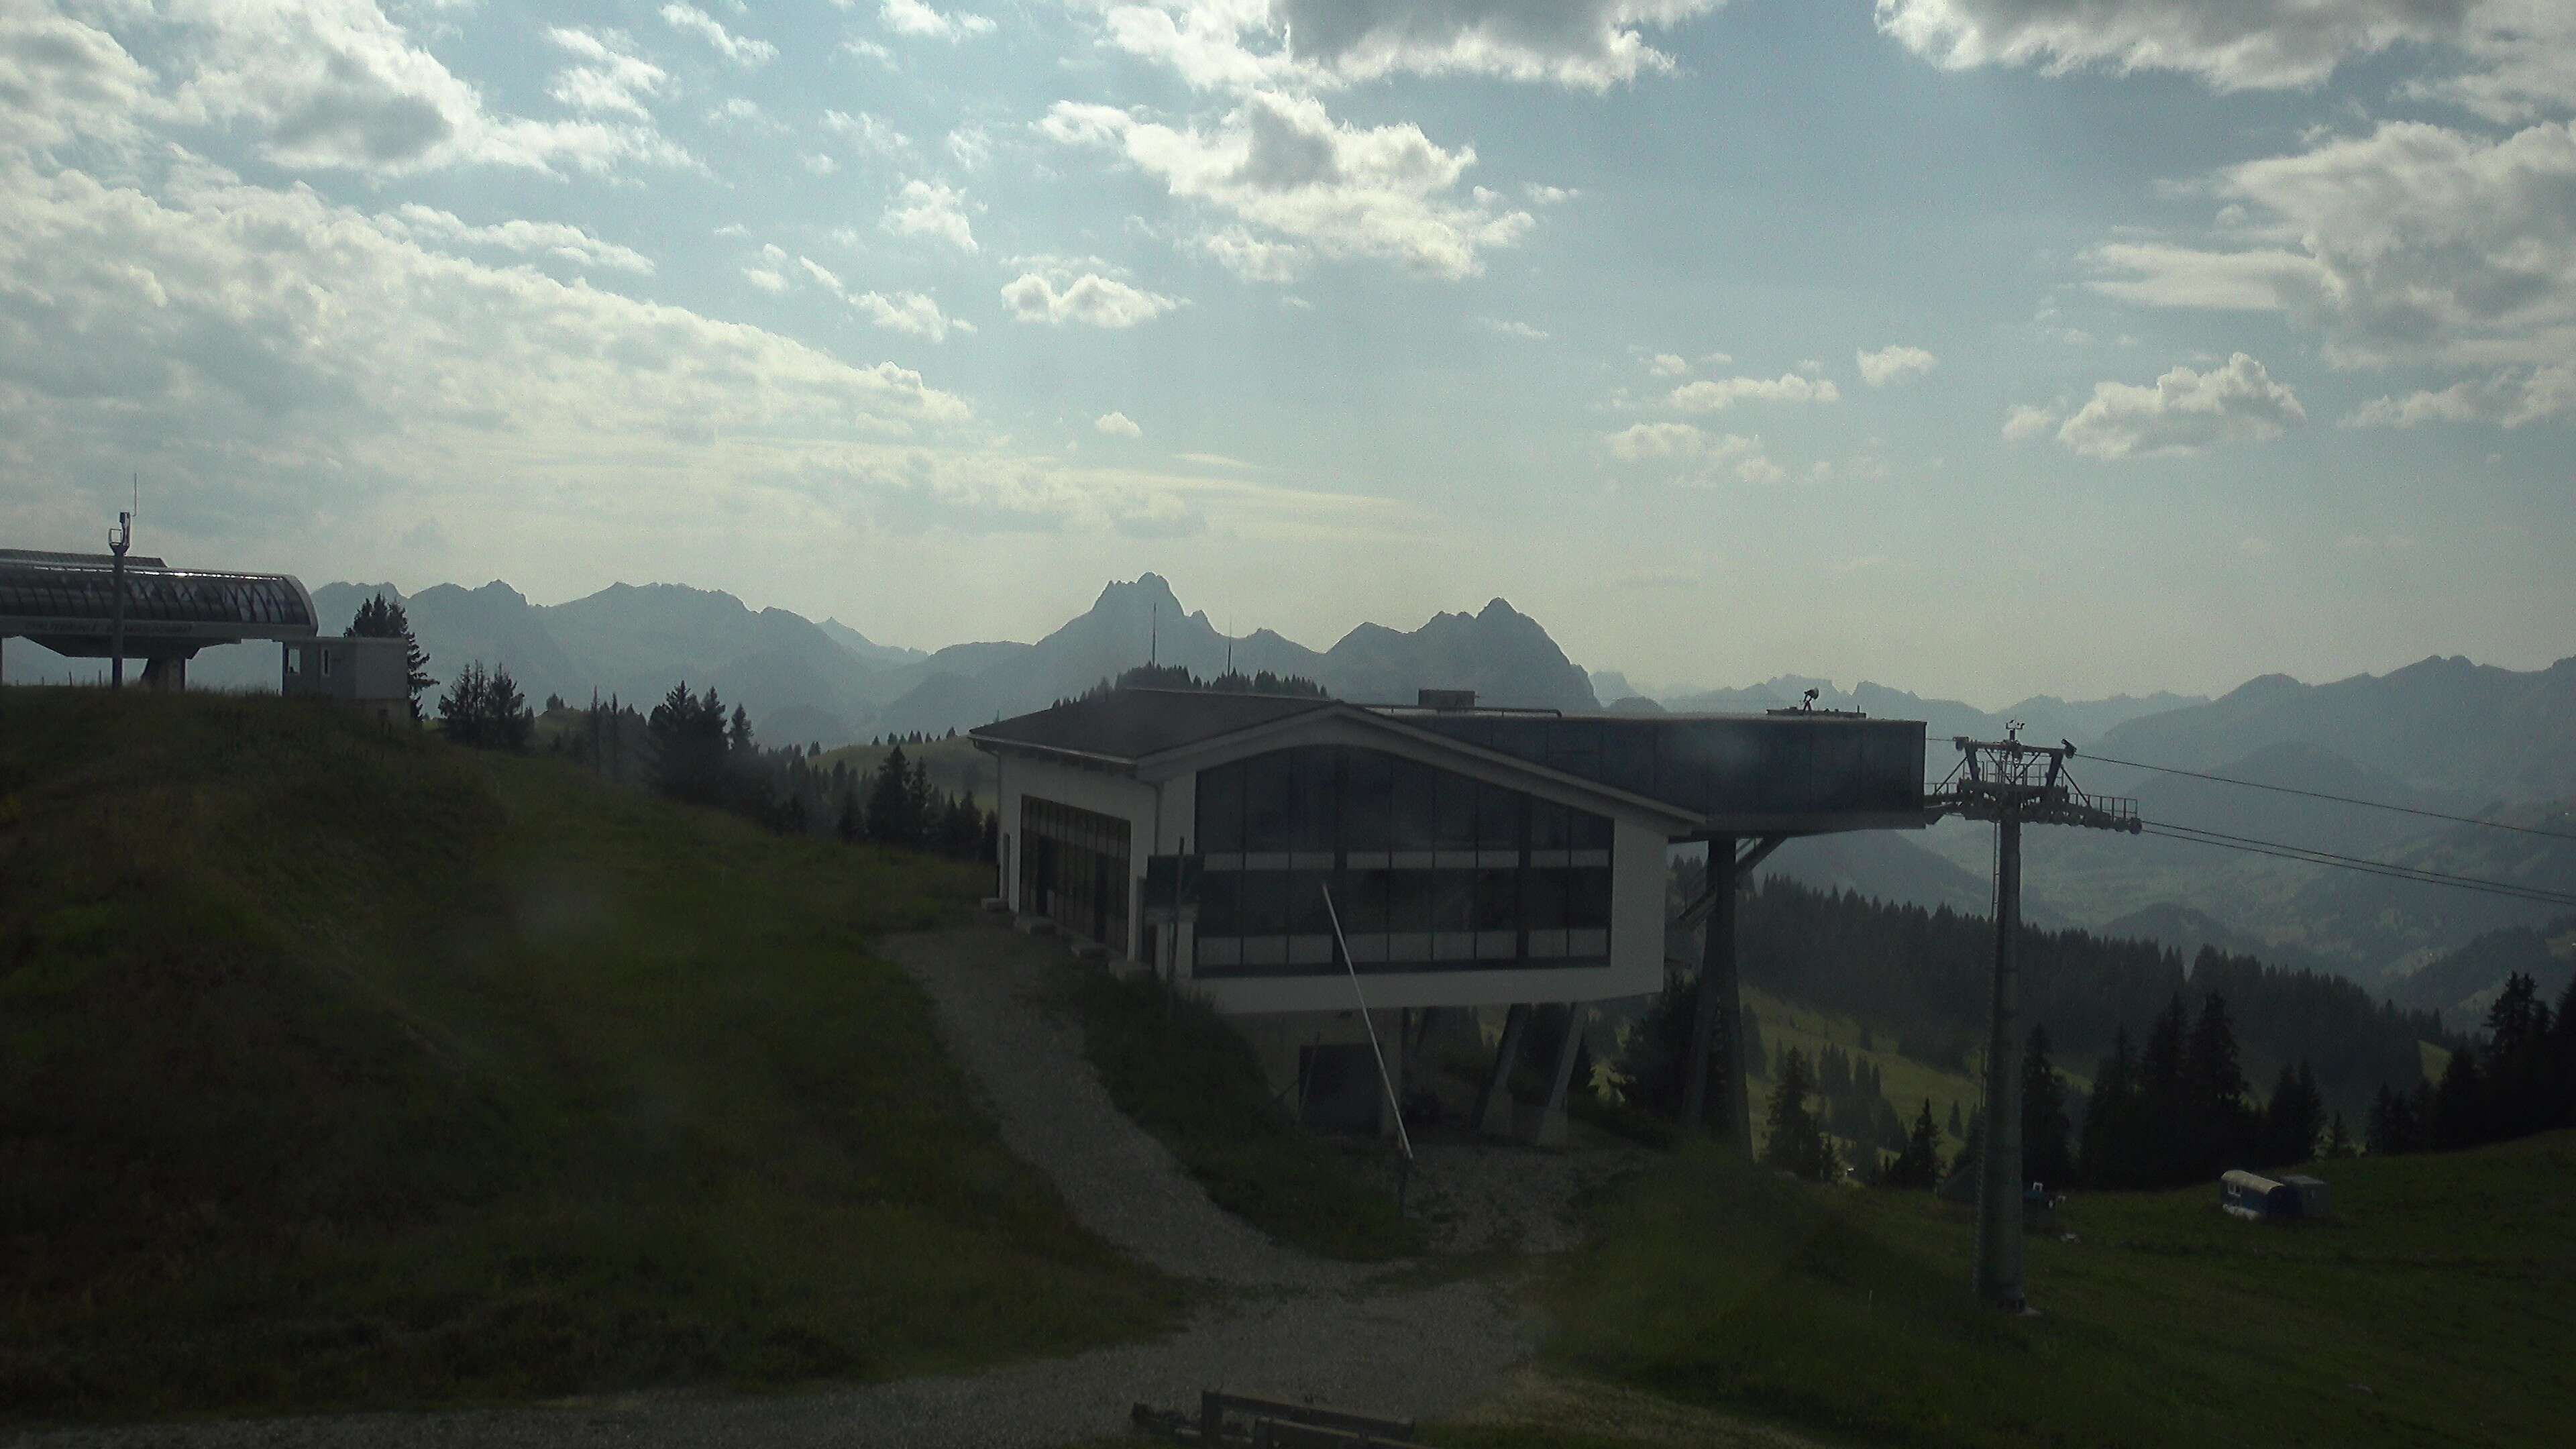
[(2471, 733)]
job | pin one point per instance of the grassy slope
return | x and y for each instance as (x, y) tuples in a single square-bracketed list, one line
[(1909, 1082), (2431, 1311), (343, 1067), (1186, 1077)]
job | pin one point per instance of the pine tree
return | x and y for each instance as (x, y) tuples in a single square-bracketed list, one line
[(2044, 1123), (1918, 1165), (2460, 1106), (2108, 1154), (738, 737), (1796, 1144), (1956, 1130), (381, 618), (2338, 1141), (2215, 1115)]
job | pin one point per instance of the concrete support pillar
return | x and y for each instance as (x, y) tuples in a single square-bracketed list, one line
[(1552, 1126), (167, 672), (1494, 1104)]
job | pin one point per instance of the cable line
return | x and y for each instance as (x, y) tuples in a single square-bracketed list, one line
[(2417, 874), (2340, 799)]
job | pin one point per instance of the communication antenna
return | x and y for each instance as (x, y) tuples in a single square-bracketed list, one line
[(2011, 783), (117, 543), (1153, 635)]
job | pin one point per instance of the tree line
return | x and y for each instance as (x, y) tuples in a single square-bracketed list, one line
[(2520, 1078)]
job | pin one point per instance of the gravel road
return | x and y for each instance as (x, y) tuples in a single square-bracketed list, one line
[(1276, 1323)]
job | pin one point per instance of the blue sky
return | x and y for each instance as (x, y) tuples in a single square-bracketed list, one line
[(1978, 347)]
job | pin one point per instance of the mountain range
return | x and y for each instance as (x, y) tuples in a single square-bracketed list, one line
[(828, 683)]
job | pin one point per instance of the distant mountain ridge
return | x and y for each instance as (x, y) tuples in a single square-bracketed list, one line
[(829, 683), (2042, 716)]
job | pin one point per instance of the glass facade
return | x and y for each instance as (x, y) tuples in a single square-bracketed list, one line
[(1074, 869), (1429, 870)]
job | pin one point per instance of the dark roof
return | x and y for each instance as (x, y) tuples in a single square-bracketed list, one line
[(71, 597), (1130, 724)]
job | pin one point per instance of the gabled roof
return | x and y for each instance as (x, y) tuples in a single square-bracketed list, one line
[(1131, 724)]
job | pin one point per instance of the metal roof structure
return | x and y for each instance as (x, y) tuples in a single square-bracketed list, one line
[(66, 602), (1790, 773)]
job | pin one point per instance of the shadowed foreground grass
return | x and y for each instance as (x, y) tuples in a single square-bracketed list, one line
[(339, 1067), (1190, 1080), (2432, 1310)]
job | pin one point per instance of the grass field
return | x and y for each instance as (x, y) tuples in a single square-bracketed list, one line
[(1190, 1080), (341, 1067), (2432, 1310), (1909, 1082)]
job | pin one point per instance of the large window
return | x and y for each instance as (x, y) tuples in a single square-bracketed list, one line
[(1074, 869), (1428, 869)]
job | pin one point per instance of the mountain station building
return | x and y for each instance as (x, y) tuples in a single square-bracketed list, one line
[(1470, 857)]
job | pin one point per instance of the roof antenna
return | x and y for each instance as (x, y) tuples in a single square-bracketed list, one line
[(1229, 641), (1153, 635)]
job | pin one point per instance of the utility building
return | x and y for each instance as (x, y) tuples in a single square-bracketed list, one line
[(1472, 857), (369, 675)]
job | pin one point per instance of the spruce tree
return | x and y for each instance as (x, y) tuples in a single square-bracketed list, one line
[(2044, 1123), (2108, 1154), (1918, 1165), (1796, 1144), (2460, 1106), (2215, 1116), (2338, 1141)]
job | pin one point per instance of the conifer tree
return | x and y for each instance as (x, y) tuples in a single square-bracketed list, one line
[(2044, 1123), (1796, 1144), (2108, 1153), (381, 618), (1918, 1165)]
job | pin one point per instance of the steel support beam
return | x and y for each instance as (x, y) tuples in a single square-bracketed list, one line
[(1494, 1104), (1999, 1187), (1552, 1127)]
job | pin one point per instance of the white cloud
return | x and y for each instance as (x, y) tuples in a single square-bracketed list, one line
[(552, 238), (741, 50), (1589, 44), (605, 79), (2232, 44), (934, 209), (1893, 364), (1091, 299), (867, 131), (1509, 328), (316, 86), (1713, 453), (767, 279), (1118, 425), (2023, 422), (1712, 394), (1667, 364), (917, 20), (1282, 164), (744, 112), (2512, 398), (971, 146), (2183, 412), (1253, 259), (820, 164)]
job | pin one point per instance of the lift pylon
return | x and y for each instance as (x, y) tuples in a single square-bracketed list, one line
[(2013, 784)]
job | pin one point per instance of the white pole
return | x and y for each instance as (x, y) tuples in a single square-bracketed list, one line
[(1402, 1138)]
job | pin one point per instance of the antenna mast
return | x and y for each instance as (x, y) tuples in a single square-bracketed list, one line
[(2011, 783), (117, 543)]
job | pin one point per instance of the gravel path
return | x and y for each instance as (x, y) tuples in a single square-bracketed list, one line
[(1279, 1324), (989, 987)]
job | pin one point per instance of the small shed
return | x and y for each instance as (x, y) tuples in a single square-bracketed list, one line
[(369, 675), (2312, 1194), (2252, 1195)]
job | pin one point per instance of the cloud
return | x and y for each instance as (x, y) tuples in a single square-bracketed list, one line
[(912, 312), (1117, 425), (1658, 440), (2231, 44), (920, 22), (1713, 394), (2415, 241), (552, 238), (1894, 364), (1585, 44), (867, 131), (1253, 259), (62, 80), (971, 146), (741, 50), (606, 79), (1713, 452), (313, 86), (1508, 328), (282, 356), (1091, 299), (2511, 398), (1282, 164), (820, 164), (2023, 422), (934, 209), (2183, 412), (1667, 364)]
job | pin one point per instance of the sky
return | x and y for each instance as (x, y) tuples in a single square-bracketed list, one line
[(1981, 348)]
